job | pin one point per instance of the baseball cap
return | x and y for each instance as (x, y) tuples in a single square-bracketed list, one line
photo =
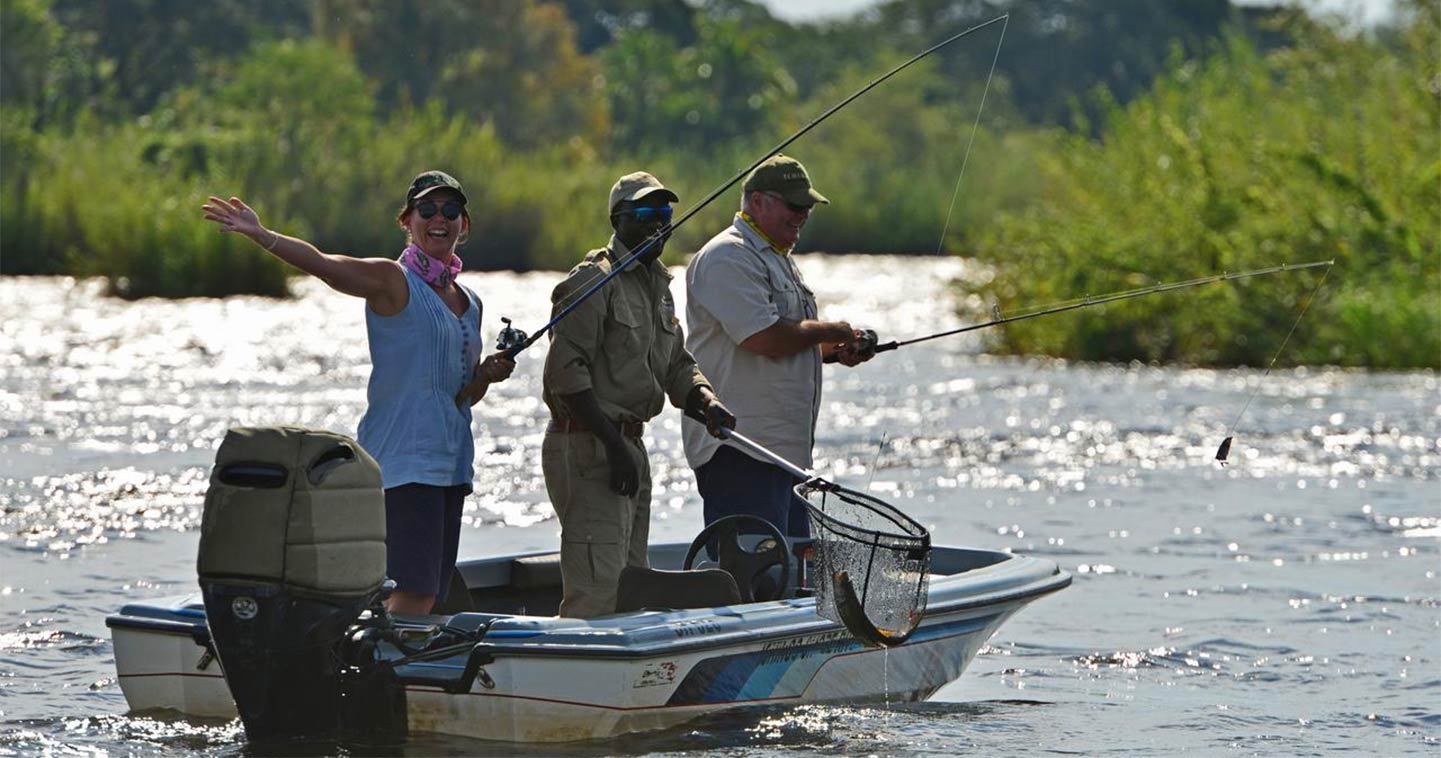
[(634, 187), (427, 182), (786, 177)]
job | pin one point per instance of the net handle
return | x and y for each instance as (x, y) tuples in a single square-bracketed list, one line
[(741, 441)]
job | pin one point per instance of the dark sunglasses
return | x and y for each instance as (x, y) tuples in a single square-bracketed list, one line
[(648, 214), (793, 206), (451, 210)]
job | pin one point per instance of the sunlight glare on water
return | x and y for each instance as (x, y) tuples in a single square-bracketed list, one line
[(1285, 603)]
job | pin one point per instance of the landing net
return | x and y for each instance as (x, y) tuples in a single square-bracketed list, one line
[(872, 562)]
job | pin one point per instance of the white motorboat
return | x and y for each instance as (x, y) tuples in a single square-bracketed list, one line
[(516, 672), (289, 633)]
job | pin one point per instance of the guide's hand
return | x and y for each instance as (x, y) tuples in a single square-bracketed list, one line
[(624, 469), (717, 417), (702, 405)]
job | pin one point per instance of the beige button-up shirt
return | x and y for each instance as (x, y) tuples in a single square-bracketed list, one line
[(737, 285), (625, 342)]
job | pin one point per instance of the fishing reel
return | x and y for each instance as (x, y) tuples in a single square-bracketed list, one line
[(865, 345), (510, 338)]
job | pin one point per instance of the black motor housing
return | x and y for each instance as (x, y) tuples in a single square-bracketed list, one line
[(281, 658), (292, 551)]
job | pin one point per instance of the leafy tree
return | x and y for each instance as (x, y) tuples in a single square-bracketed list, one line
[(1328, 149), (599, 22), (728, 85), (134, 51), (31, 38), (1057, 50), (513, 64)]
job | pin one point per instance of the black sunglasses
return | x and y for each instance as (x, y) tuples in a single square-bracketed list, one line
[(451, 210), (794, 207)]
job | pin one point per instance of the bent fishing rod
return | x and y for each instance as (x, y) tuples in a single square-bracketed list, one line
[(1089, 301), (514, 341)]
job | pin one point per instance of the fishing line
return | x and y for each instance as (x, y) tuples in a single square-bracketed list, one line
[(974, 128), (876, 460), (1225, 448)]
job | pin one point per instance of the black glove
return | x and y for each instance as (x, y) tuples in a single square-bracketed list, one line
[(703, 406), (624, 470)]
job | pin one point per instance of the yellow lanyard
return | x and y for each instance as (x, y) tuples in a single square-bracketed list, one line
[(746, 217)]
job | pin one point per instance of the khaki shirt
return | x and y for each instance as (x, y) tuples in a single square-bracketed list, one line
[(736, 286), (624, 342)]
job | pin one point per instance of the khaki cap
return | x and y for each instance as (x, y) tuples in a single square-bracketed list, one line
[(786, 177), (634, 187)]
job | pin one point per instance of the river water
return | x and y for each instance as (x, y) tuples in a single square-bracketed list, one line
[(1286, 604)]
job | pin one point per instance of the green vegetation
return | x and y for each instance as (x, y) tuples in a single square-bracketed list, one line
[(1327, 149), (1123, 142)]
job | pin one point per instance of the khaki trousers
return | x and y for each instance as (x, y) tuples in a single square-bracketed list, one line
[(600, 531)]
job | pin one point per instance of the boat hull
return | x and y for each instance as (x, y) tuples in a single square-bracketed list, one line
[(557, 680)]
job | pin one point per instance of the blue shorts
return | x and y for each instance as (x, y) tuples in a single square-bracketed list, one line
[(732, 482), (422, 536)]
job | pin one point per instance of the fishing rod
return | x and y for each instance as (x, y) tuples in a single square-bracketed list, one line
[(513, 341), (1087, 302)]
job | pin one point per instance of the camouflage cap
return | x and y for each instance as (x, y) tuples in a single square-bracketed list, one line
[(427, 182), (634, 187), (786, 177)]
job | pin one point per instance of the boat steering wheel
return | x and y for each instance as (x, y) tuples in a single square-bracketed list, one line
[(749, 567)]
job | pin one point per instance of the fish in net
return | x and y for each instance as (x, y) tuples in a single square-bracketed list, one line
[(872, 561)]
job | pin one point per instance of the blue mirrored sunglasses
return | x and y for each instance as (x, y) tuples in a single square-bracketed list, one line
[(647, 214), (451, 210)]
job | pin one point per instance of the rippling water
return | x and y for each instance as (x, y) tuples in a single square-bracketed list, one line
[(1286, 604)]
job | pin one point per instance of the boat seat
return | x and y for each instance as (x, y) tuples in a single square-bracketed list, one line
[(535, 572), (650, 589)]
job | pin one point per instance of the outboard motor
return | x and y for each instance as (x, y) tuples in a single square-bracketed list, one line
[(292, 550)]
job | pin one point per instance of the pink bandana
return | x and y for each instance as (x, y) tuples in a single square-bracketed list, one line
[(435, 273)]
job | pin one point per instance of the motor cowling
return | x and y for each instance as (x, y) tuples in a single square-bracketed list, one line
[(292, 550)]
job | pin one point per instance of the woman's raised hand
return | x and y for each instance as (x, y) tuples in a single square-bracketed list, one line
[(234, 215)]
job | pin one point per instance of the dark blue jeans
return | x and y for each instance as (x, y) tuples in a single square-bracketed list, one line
[(732, 482)]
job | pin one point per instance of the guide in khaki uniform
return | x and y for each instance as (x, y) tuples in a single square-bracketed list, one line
[(612, 363)]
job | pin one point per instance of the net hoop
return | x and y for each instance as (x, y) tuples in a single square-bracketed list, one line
[(908, 534), (873, 563)]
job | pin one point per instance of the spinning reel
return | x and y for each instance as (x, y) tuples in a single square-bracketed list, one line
[(865, 344), (510, 338)]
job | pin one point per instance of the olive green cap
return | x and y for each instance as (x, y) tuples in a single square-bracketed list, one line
[(786, 177)]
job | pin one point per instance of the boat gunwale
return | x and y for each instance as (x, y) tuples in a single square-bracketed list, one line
[(782, 619)]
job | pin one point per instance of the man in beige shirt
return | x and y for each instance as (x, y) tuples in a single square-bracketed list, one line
[(612, 363), (756, 332)]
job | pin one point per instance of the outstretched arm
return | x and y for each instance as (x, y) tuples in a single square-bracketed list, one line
[(380, 282)]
